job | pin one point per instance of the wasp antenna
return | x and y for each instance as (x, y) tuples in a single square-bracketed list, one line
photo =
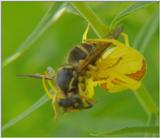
[(36, 76), (116, 32)]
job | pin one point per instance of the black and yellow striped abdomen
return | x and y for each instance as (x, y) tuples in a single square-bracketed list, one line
[(78, 53)]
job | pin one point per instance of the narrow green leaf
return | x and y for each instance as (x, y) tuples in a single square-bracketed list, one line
[(148, 104), (134, 131), (128, 11), (41, 101), (146, 33), (72, 10), (146, 100), (97, 25), (52, 15)]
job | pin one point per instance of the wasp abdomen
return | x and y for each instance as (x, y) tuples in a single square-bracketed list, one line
[(79, 52)]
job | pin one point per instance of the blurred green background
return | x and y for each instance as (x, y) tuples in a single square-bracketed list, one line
[(111, 112)]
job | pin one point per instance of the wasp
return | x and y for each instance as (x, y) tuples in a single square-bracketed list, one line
[(106, 62)]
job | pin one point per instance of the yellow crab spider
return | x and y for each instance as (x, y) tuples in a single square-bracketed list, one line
[(119, 68)]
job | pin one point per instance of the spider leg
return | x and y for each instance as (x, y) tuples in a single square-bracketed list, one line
[(89, 88), (84, 37), (52, 87), (86, 96), (126, 40), (90, 92)]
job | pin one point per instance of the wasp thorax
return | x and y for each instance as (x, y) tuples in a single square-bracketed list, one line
[(67, 79), (79, 52)]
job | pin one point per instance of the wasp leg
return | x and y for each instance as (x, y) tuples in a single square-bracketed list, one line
[(46, 89), (126, 40), (54, 90), (52, 87), (51, 96), (54, 101), (84, 37), (103, 42)]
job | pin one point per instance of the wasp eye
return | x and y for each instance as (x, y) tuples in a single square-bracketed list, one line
[(66, 78)]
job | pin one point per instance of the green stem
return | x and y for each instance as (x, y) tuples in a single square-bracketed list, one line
[(97, 25)]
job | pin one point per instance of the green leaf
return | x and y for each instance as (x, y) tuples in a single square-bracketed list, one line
[(86, 12), (52, 15), (41, 101), (146, 33), (128, 11), (146, 100), (130, 132), (72, 10)]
